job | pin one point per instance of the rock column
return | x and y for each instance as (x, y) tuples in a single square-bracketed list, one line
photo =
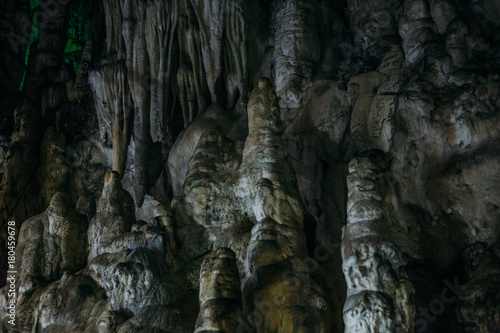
[(220, 294), (379, 294)]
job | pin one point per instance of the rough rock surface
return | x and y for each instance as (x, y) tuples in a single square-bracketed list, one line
[(251, 166)]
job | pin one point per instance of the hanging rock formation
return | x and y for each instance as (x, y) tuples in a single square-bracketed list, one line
[(296, 49), (112, 98)]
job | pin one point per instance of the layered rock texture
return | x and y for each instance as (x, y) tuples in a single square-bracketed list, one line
[(242, 166)]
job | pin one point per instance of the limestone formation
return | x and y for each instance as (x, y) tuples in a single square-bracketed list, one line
[(416, 29), (59, 234), (478, 309), (296, 49), (115, 215), (250, 166), (221, 308), (112, 97), (379, 293)]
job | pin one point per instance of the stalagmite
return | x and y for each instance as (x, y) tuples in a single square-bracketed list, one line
[(216, 201), (478, 299), (373, 24), (59, 234), (416, 29), (379, 293), (220, 295), (114, 215), (276, 255)]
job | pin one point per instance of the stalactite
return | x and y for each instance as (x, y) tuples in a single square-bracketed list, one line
[(161, 18), (112, 99), (191, 59), (187, 94), (261, 190), (379, 294), (114, 41), (296, 49), (138, 65), (237, 52), (210, 16)]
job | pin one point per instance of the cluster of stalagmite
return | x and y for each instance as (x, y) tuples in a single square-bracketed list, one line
[(379, 293)]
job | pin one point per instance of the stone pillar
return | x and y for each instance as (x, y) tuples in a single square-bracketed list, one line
[(379, 294), (221, 308), (280, 292)]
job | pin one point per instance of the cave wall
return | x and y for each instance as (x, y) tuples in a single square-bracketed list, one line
[(251, 166)]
